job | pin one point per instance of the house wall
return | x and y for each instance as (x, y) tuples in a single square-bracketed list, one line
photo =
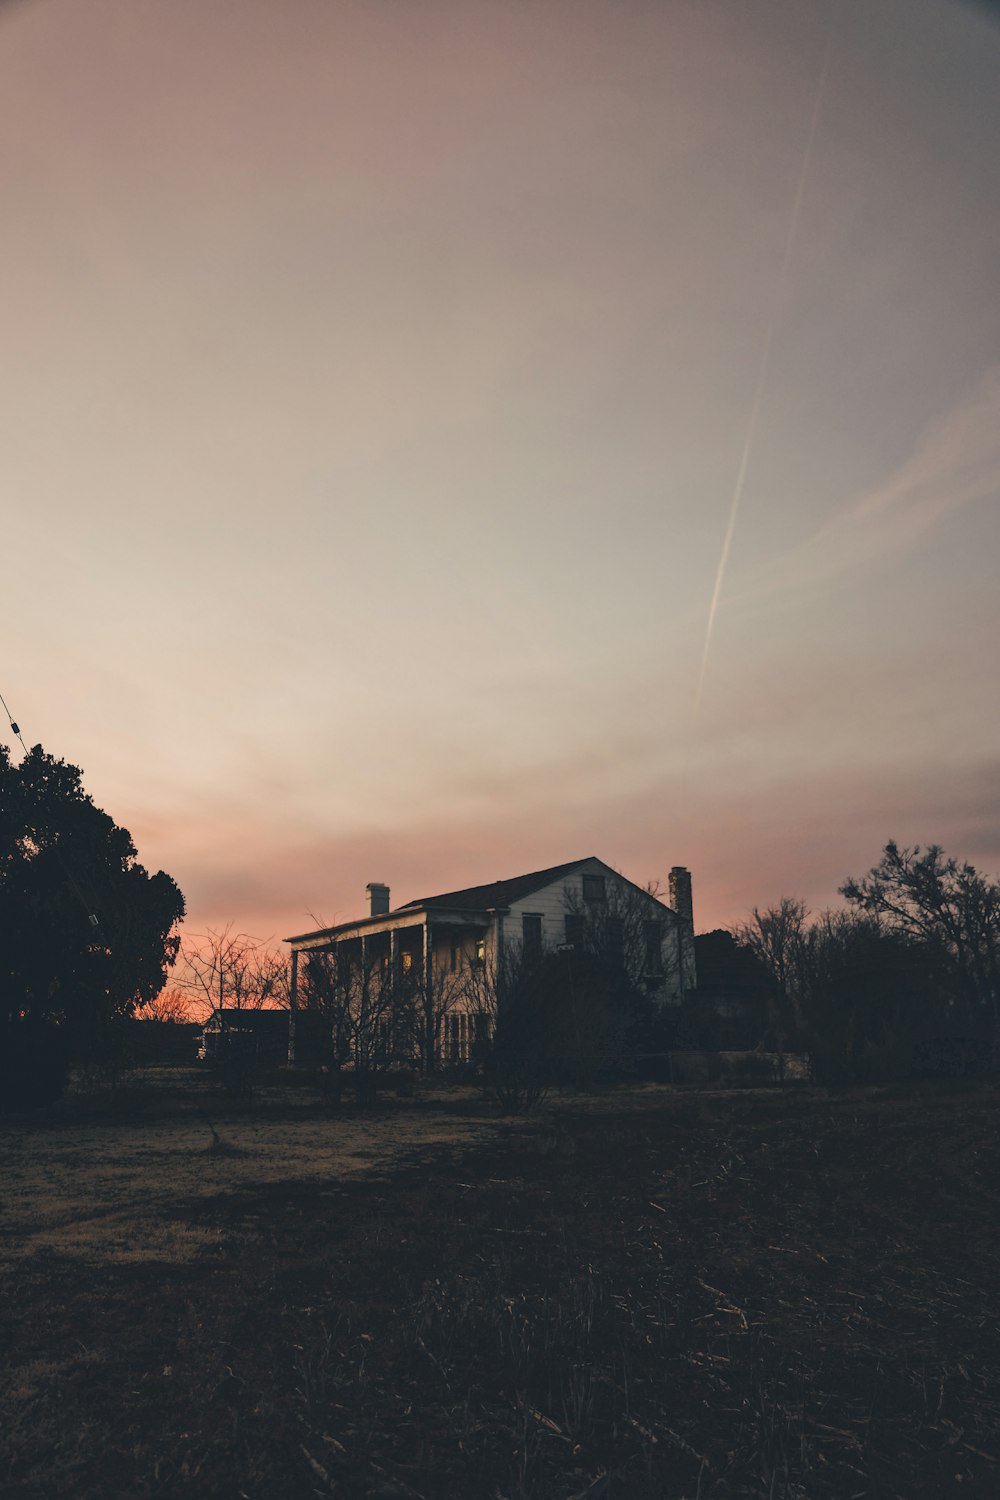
[(464, 940), (553, 902)]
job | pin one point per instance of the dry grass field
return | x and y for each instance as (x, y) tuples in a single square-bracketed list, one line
[(114, 1182), (645, 1293)]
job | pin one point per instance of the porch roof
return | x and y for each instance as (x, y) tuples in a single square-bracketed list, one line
[(473, 901), (404, 916)]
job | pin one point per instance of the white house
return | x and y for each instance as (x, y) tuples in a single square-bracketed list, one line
[(436, 938)]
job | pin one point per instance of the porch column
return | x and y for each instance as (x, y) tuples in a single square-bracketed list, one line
[(293, 1001), (362, 1036), (395, 978), (430, 1031)]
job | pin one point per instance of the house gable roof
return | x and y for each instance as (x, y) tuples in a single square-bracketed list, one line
[(499, 893)]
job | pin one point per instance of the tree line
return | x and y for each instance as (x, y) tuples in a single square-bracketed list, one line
[(906, 975)]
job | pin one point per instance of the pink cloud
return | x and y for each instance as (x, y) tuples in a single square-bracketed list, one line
[(748, 840)]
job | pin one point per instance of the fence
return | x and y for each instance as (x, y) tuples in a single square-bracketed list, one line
[(736, 1069)]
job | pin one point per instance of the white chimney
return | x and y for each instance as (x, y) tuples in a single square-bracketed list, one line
[(378, 899)]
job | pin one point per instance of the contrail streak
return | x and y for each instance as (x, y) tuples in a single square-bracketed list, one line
[(762, 369)]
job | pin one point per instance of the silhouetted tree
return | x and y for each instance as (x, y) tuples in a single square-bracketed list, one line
[(867, 996), (87, 934), (630, 933), (577, 1011), (223, 974), (734, 1001), (168, 1008), (429, 1005), (779, 938), (910, 966), (370, 1013), (950, 911), (229, 970)]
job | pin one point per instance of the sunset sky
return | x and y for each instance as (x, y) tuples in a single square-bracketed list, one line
[(377, 382)]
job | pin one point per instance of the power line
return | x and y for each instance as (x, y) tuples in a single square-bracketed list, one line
[(71, 878), (13, 726)]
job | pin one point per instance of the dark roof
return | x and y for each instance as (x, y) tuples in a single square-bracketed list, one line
[(244, 1019), (474, 898), (498, 894)]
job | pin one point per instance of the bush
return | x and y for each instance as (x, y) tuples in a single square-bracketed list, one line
[(951, 1057), (34, 1064), (568, 1018)]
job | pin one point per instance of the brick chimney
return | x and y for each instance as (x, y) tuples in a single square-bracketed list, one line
[(378, 899), (679, 887)]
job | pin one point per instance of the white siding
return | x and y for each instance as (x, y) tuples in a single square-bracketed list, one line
[(553, 902)]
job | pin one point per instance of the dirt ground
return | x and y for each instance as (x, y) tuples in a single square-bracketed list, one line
[(643, 1293)]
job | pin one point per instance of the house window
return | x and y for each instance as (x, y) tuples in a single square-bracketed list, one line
[(459, 1032), (576, 929), (480, 952), (407, 962), (531, 930), (653, 932), (593, 888), (616, 938), (456, 957)]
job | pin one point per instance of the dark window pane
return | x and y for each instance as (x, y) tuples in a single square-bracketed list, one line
[(593, 888), (654, 949), (576, 929), (532, 933)]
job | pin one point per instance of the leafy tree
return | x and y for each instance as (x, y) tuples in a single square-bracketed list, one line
[(87, 934)]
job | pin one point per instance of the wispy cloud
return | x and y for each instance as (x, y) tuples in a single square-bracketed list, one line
[(758, 834), (955, 464)]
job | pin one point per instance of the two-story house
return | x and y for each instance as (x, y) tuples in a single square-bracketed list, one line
[(429, 944)]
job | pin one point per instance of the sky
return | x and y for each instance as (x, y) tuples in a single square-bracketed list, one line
[(443, 440)]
